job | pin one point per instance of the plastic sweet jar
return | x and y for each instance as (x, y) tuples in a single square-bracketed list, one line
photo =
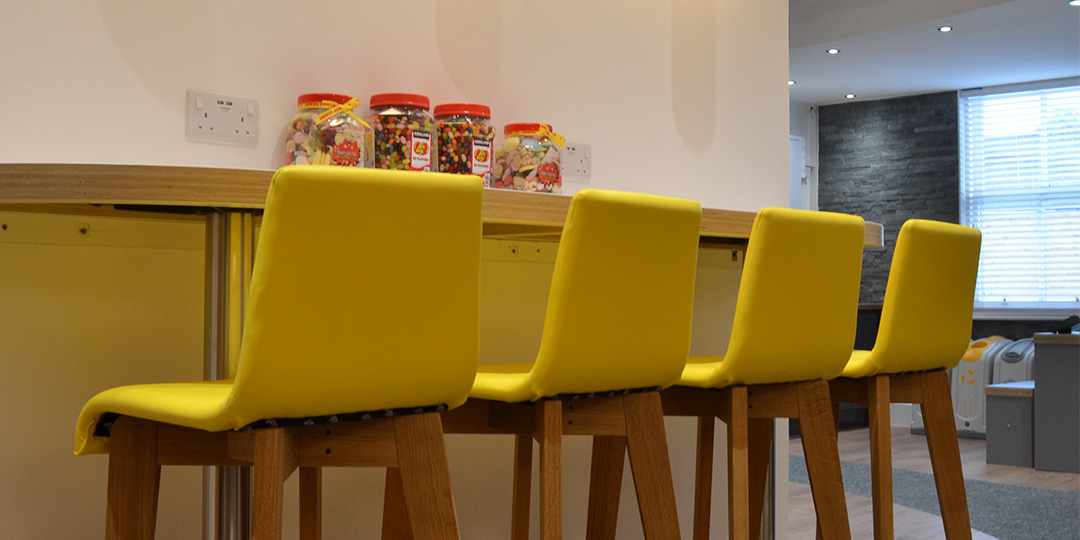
[(529, 159), (326, 131), (404, 132), (465, 139)]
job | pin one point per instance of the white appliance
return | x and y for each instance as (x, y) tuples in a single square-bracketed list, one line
[(1014, 362), (968, 380)]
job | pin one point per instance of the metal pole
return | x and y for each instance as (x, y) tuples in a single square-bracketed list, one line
[(230, 250)]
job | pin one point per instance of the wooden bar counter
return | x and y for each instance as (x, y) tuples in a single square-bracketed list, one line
[(520, 233), (506, 213)]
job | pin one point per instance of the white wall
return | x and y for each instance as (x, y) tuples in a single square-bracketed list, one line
[(685, 97), (680, 97)]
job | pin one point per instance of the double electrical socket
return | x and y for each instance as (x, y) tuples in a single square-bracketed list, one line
[(577, 162), (222, 118)]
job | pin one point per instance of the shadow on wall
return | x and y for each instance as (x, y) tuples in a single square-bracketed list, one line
[(469, 33), (146, 35), (693, 72)]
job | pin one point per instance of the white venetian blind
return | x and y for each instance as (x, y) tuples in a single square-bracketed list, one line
[(1020, 184)]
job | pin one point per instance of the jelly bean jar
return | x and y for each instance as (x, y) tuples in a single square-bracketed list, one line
[(529, 159), (326, 131), (404, 132), (465, 138)]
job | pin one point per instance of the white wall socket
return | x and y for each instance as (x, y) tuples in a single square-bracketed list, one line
[(222, 119), (577, 162)]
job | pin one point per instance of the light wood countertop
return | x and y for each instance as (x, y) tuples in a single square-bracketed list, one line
[(76, 187)]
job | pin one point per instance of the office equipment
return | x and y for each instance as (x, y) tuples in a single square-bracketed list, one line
[(1057, 402), (1009, 414)]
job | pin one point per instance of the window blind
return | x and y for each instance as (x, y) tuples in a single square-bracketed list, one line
[(1020, 185)]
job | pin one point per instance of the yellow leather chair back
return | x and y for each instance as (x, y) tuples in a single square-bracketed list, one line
[(798, 298), (621, 299), (926, 316), (374, 308)]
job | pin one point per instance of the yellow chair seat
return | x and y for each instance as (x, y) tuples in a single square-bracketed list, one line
[(508, 383), (618, 321), (800, 267), (861, 364), (364, 296), (198, 405), (701, 371)]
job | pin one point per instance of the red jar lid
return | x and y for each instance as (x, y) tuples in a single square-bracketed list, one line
[(525, 128), (471, 109), (314, 98), (413, 100)]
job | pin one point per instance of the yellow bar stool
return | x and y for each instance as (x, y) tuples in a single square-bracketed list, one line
[(794, 325), (617, 329), (925, 329), (362, 324)]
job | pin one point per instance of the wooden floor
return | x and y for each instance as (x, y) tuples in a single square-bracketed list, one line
[(909, 452)]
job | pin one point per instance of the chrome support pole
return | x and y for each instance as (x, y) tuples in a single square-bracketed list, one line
[(230, 251)]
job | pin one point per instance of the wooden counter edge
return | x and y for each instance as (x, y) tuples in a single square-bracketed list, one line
[(1046, 338), (162, 185), (1021, 389)]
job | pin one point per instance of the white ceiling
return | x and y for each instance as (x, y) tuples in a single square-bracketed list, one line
[(892, 48)]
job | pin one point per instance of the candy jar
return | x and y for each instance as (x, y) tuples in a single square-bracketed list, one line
[(325, 131), (529, 159), (404, 132), (465, 134)]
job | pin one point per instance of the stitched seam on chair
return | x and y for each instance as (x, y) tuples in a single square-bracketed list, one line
[(338, 418), (104, 425), (591, 395)]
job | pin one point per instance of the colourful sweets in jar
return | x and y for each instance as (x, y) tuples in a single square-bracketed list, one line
[(404, 132), (326, 131), (465, 139), (529, 159)]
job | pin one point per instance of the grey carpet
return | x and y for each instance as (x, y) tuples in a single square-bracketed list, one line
[(1005, 512)]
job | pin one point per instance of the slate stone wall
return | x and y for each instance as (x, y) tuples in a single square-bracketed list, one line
[(889, 161)]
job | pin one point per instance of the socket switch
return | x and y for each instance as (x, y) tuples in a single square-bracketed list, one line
[(222, 118), (577, 162)]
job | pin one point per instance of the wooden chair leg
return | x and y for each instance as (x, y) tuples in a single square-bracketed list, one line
[(945, 454), (395, 523), (605, 487), (519, 515), (703, 474), (275, 460), (425, 477), (836, 425), (760, 445), (646, 443), (134, 477), (738, 465), (822, 459), (310, 503), (549, 435), (878, 400)]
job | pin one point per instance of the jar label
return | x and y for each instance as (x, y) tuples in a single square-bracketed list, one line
[(481, 159), (346, 153), (420, 148), (549, 174)]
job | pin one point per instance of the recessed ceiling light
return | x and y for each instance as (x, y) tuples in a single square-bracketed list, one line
[(1074, 2), (950, 29), (791, 83), (850, 96), (833, 51)]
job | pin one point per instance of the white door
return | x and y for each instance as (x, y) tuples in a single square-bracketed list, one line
[(799, 196)]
